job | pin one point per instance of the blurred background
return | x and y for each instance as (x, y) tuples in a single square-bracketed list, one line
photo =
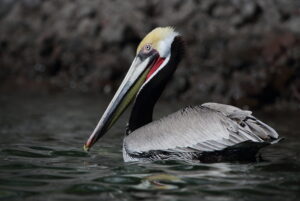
[(240, 52)]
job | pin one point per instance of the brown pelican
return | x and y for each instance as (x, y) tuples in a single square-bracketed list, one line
[(210, 132)]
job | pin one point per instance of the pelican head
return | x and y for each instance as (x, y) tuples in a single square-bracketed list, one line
[(152, 55)]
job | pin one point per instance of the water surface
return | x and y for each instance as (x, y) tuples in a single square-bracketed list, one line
[(41, 158)]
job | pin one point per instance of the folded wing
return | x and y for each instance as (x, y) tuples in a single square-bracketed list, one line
[(206, 128)]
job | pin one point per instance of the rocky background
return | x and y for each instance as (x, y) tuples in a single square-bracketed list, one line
[(240, 52)]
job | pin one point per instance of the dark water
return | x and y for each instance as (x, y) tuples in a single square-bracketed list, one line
[(41, 158)]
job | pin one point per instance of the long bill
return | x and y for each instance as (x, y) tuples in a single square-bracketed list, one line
[(129, 87)]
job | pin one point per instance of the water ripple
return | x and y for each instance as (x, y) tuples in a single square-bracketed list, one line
[(119, 180), (16, 152), (88, 189), (38, 163)]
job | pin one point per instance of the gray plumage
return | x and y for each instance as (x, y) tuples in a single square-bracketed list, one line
[(193, 130)]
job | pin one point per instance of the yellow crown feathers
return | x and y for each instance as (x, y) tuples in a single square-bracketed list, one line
[(155, 36)]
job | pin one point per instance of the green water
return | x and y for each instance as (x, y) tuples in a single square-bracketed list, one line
[(41, 158)]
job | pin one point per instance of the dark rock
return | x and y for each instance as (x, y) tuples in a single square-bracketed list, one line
[(241, 52)]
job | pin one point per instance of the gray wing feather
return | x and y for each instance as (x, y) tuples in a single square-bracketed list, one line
[(209, 127), (245, 117)]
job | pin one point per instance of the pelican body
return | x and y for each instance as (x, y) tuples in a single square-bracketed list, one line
[(210, 132)]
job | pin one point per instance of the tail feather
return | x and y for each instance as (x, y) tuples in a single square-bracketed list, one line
[(277, 140), (261, 129)]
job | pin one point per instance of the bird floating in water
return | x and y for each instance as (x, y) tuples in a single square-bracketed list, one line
[(210, 132)]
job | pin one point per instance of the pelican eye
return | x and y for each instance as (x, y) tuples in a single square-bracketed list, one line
[(147, 48)]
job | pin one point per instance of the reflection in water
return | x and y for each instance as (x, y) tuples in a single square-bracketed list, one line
[(41, 157), (160, 182)]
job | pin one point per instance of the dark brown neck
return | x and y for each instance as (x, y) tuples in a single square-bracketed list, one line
[(142, 110)]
